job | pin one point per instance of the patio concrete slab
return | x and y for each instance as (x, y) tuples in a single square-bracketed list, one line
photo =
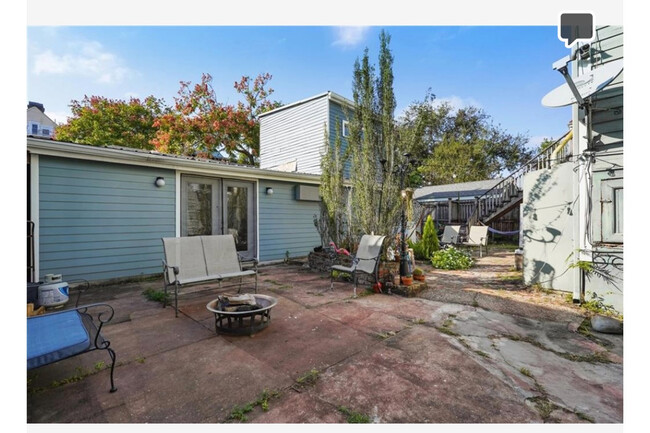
[(389, 358)]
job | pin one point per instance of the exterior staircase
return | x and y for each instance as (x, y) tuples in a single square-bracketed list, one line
[(509, 193)]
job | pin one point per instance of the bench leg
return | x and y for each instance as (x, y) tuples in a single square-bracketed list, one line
[(176, 298), (111, 353), (355, 285)]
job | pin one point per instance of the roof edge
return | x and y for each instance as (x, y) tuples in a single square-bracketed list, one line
[(63, 149)]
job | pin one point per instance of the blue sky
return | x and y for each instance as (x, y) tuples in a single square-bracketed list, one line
[(505, 70)]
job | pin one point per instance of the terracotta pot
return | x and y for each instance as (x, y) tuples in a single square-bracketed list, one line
[(419, 277), (407, 281)]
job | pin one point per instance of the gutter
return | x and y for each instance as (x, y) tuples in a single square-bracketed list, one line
[(154, 159)]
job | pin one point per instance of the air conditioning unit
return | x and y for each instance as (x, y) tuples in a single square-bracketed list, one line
[(307, 193)]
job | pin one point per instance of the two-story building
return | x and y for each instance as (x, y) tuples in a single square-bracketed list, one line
[(38, 123), (573, 211)]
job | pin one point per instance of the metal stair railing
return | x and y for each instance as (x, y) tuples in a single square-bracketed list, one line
[(510, 187)]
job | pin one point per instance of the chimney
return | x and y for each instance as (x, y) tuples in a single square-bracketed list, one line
[(37, 105)]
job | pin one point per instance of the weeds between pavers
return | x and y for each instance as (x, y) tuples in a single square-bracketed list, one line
[(240, 413), (309, 378), (79, 375), (157, 296), (445, 329), (354, 417), (585, 330), (593, 358)]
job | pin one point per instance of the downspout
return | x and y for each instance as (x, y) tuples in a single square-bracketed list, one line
[(576, 277)]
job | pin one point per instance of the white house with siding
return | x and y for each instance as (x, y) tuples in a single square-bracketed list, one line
[(573, 211), (292, 137), (38, 123)]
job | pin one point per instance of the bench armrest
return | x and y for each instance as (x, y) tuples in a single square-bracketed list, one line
[(247, 261)]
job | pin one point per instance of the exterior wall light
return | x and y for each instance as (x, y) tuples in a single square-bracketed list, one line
[(160, 182), (269, 191)]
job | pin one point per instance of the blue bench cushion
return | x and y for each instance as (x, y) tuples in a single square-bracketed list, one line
[(53, 337)]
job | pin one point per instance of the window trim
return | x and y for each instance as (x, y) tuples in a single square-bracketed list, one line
[(345, 127)]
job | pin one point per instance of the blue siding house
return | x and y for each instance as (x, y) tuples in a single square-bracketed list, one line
[(99, 212)]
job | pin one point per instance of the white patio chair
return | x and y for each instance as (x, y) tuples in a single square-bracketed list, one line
[(366, 260), (451, 235), (478, 237)]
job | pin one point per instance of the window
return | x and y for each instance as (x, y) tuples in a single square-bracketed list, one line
[(34, 129), (46, 132), (611, 202), (345, 128)]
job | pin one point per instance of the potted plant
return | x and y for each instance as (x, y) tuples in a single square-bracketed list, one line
[(418, 274), (407, 280)]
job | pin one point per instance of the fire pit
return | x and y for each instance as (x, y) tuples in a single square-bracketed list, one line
[(241, 314)]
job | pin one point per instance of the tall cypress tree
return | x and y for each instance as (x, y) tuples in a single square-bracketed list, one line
[(375, 196)]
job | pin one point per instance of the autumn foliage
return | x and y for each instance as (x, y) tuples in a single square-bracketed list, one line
[(101, 121), (198, 124), (201, 125)]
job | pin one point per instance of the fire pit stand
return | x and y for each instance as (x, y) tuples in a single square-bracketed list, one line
[(243, 322)]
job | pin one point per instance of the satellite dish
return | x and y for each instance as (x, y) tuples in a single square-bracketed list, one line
[(586, 84)]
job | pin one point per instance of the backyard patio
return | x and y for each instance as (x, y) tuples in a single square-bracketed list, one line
[(475, 347)]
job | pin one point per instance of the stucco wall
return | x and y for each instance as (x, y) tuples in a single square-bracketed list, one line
[(547, 227)]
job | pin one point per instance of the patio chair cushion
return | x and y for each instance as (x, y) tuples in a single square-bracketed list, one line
[(342, 268), (53, 337)]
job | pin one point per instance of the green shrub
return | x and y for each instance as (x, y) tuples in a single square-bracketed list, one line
[(451, 258), (425, 247), (430, 238)]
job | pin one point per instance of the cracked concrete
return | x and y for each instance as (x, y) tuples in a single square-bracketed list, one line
[(392, 359)]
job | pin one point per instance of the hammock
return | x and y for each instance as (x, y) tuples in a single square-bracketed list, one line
[(499, 232)]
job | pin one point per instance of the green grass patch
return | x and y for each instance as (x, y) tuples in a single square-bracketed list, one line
[(239, 413), (353, 417), (157, 296)]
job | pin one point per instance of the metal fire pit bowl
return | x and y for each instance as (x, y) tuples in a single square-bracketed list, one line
[(243, 322)]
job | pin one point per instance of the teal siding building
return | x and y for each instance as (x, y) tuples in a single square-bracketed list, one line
[(98, 213)]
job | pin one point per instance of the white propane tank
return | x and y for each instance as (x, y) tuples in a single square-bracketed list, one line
[(54, 292)]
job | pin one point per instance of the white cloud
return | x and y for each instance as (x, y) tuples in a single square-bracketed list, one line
[(349, 36), (456, 102), (88, 59)]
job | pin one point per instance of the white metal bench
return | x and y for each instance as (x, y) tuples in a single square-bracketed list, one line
[(199, 259)]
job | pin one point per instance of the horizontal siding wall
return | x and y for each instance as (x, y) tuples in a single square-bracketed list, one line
[(100, 220), (286, 224), (608, 103), (337, 115), (296, 133)]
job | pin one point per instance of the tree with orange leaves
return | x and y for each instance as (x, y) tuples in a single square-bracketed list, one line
[(202, 126)]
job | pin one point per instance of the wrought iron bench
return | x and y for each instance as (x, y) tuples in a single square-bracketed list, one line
[(199, 259), (56, 336)]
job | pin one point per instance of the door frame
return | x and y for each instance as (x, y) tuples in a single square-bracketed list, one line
[(254, 182)]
